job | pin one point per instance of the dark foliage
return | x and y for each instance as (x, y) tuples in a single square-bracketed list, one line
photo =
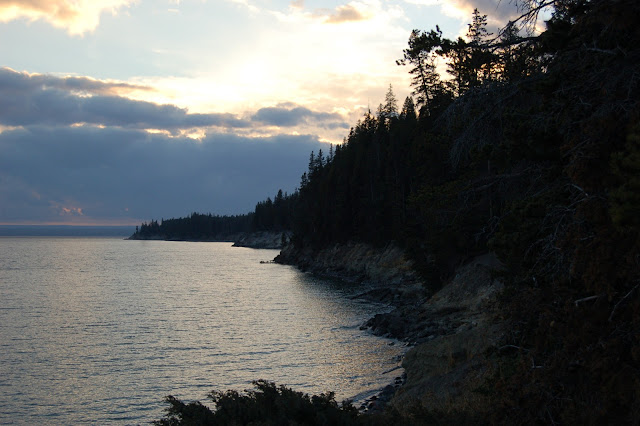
[(274, 216), (531, 150), (268, 404)]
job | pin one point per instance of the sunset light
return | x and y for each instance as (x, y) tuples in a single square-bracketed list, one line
[(138, 78)]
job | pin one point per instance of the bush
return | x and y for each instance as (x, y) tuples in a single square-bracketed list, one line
[(268, 404)]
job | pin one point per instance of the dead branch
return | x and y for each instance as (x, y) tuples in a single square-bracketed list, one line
[(586, 299), (513, 347), (621, 302)]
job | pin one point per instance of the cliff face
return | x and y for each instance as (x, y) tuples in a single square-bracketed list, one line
[(454, 330), (355, 262), (449, 332)]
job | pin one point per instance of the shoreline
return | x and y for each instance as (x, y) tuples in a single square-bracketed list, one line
[(256, 240), (379, 398), (447, 333), (381, 276)]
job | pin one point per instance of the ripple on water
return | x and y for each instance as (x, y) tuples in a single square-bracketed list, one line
[(99, 330)]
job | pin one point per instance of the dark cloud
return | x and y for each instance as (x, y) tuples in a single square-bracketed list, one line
[(110, 168), (27, 100), (23, 81), (346, 13), (287, 115), (50, 174), (86, 85), (46, 100)]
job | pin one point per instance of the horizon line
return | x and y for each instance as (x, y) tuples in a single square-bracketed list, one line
[(102, 225)]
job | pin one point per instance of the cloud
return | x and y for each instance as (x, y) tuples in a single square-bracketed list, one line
[(498, 12), (247, 4), (79, 85), (65, 210), (329, 67), (424, 2), (77, 17), (50, 174), (46, 100), (70, 152), (287, 116), (346, 13), (30, 100)]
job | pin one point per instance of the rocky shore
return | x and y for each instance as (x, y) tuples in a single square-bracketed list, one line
[(258, 240), (449, 333), (261, 240), (387, 271)]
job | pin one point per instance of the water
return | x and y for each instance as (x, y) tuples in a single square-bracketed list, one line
[(99, 330)]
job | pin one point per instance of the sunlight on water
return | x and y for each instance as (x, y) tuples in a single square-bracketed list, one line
[(100, 329)]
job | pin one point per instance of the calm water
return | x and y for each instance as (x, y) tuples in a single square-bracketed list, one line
[(99, 330)]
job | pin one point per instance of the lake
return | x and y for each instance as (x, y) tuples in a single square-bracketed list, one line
[(99, 330)]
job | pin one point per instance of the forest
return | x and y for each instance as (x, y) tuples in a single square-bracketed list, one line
[(528, 147), (269, 215)]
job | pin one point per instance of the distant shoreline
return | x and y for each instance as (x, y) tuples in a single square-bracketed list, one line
[(257, 240)]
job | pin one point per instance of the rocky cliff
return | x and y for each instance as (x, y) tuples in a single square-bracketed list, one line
[(453, 332), (261, 240), (386, 268), (449, 333)]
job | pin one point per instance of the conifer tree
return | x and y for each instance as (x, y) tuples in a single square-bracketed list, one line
[(424, 47), (481, 60), (390, 108)]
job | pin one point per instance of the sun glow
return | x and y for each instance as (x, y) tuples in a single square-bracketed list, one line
[(77, 17)]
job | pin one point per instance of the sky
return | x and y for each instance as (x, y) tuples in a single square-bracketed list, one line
[(114, 112)]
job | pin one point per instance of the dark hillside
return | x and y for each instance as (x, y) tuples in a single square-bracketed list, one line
[(528, 150)]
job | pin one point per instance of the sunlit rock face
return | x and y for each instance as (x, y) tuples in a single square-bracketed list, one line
[(354, 262)]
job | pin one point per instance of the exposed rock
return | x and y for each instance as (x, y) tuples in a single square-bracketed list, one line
[(385, 270), (261, 240), (461, 303), (444, 373), (451, 330)]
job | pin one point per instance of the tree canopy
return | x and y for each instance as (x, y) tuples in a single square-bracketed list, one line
[(527, 147)]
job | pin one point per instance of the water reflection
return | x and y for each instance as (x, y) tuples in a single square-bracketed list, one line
[(100, 330)]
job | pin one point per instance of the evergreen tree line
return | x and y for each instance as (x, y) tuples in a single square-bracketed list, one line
[(528, 147), (269, 215), (420, 176)]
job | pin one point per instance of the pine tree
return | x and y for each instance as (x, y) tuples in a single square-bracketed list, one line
[(481, 60), (408, 110), (390, 108), (424, 48)]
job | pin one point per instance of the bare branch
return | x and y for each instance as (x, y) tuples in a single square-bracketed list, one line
[(586, 299), (530, 11), (622, 301)]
